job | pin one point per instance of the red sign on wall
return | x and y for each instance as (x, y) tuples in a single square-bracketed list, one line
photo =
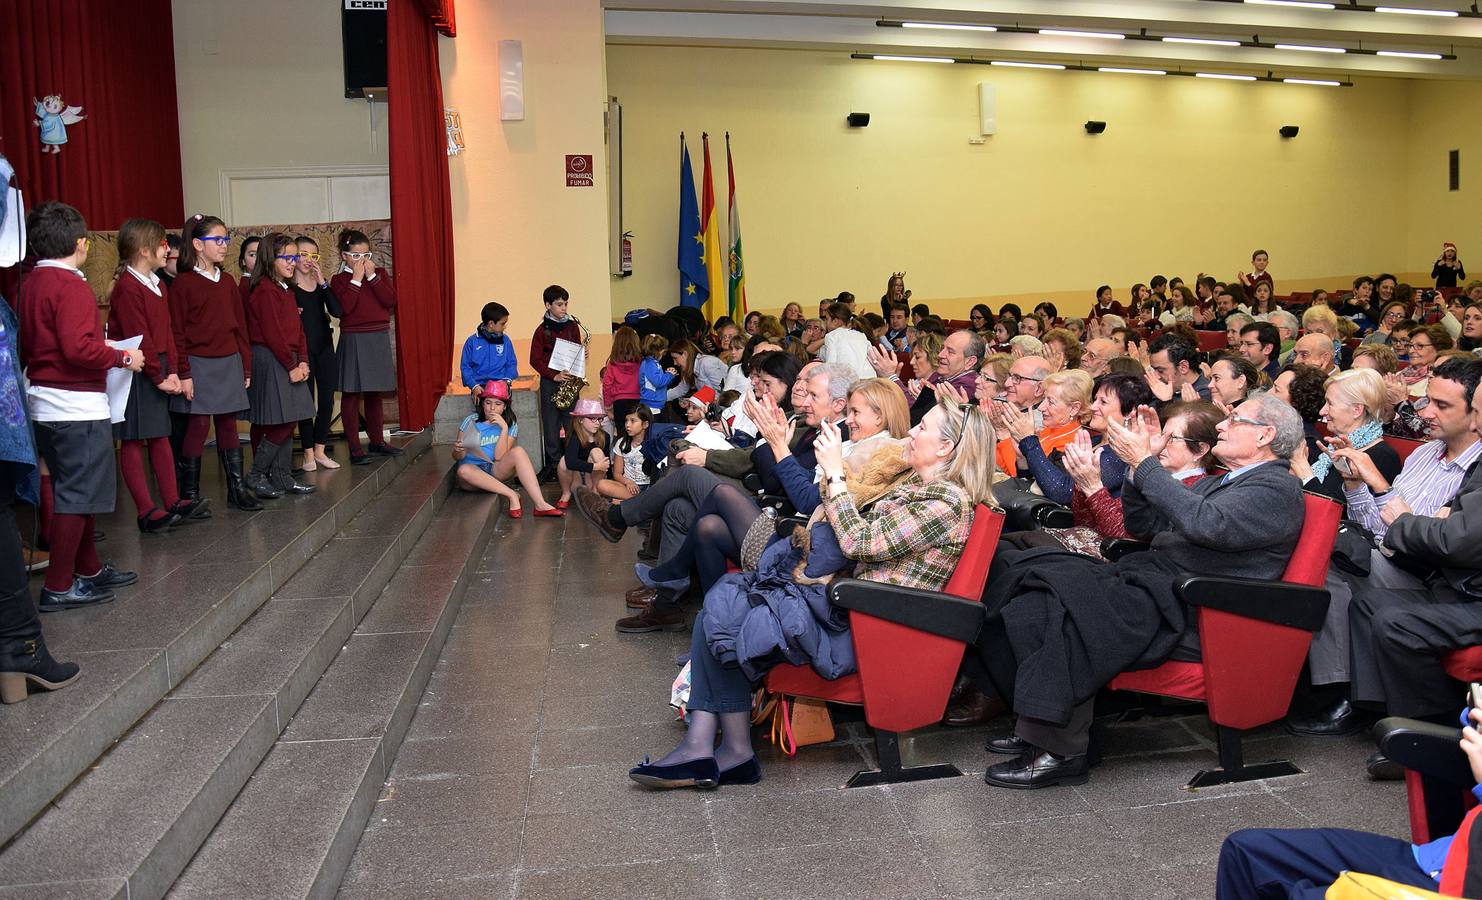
[(579, 170)]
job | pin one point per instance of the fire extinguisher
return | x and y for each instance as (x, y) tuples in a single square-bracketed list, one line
[(626, 264)]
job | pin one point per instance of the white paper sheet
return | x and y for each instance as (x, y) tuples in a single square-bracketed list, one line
[(707, 438), (120, 381), (569, 357)]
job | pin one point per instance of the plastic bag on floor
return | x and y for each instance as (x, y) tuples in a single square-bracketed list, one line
[(679, 692)]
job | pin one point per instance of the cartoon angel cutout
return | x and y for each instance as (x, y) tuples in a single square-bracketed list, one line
[(53, 116)]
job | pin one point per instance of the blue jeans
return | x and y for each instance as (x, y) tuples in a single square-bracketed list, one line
[(714, 688)]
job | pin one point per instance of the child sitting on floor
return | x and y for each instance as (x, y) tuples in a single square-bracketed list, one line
[(628, 479), (588, 446), (487, 455)]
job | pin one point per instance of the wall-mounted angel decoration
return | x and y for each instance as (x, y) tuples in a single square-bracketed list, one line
[(53, 116)]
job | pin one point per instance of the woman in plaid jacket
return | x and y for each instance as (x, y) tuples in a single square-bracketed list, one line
[(912, 536)]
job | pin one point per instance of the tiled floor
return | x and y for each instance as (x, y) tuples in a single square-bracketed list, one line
[(512, 781)]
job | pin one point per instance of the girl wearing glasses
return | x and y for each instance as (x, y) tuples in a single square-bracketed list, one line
[(316, 303), (367, 297), (246, 259), (215, 359), (137, 306), (279, 395)]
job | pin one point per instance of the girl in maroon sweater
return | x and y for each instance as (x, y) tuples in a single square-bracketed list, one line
[(279, 395), (367, 298), (214, 361), (138, 307)]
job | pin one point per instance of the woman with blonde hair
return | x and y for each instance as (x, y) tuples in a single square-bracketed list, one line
[(912, 535), (1066, 407), (1355, 404)]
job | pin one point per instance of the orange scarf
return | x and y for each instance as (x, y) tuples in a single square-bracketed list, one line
[(1050, 440)]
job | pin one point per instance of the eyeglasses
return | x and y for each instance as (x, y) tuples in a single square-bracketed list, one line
[(356, 254), (1015, 376), (220, 240), (1233, 419), (1187, 440), (288, 257), (1415, 345), (966, 409), (311, 257)]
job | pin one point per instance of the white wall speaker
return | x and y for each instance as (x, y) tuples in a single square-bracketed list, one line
[(511, 81), (987, 108)]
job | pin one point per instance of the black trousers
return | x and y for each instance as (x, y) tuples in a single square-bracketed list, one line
[(1397, 638), (552, 420), (18, 618), (324, 376), (1258, 863)]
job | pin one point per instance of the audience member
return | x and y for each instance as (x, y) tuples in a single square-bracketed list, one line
[(1231, 380), (1098, 355), (1173, 364), (844, 345), (1260, 343), (957, 364), (1066, 405)]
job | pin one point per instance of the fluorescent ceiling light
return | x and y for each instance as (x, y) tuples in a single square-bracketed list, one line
[(1312, 81), (1402, 11), (1206, 41), (1406, 54), (1117, 71), (1057, 32), (930, 59), (1310, 49), (1225, 77), (1025, 65), (948, 26), (1299, 4)]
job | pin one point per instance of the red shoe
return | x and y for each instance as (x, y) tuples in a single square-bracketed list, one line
[(552, 513), (516, 513), (562, 504)]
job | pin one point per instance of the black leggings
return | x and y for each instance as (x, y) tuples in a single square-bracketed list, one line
[(721, 524), (324, 377)]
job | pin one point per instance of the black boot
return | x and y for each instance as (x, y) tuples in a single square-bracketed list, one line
[(25, 661), (257, 480), (280, 472), (188, 478), (237, 496)]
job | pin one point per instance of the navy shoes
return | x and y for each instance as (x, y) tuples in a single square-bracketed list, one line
[(699, 773)]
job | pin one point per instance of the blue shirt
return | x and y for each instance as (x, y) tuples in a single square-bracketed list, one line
[(489, 435), (1236, 473), (485, 360), (653, 383)]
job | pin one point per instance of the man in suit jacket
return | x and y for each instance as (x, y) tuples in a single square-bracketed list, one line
[(1245, 524), (1399, 636)]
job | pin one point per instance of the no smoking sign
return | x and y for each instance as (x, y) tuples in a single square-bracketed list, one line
[(579, 170)]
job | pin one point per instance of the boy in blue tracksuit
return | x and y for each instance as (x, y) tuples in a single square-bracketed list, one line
[(488, 354), (653, 378)]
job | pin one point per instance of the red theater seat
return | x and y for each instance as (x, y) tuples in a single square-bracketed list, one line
[(1403, 446), (1254, 637), (1210, 341), (909, 645)]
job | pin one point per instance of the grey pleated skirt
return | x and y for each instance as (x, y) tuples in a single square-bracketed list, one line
[(366, 363), (218, 387), (273, 399), (147, 414)]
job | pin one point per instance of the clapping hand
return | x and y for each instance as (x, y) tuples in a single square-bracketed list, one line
[(954, 394), (1019, 423), (1189, 392), (1161, 389), (1083, 464), (828, 450), (771, 423), (885, 364), (1135, 441), (1395, 389)]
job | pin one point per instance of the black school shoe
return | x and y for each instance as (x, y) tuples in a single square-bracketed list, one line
[(1037, 769), (109, 577), (362, 459), (386, 450), (82, 593)]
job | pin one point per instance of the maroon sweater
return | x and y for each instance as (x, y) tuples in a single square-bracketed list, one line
[(134, 309), (207, 318), (368, 305), (273, 321), (61, 344), (544, 342)]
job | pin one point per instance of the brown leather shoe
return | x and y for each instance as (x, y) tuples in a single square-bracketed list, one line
[(651, 619), (593, 507), (640, 597), (975, 708)]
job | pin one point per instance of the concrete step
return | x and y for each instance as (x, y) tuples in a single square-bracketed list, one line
[(196, 586), (144, 808), (292, 830)]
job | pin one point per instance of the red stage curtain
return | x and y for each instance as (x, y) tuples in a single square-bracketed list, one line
[(117, 61), (421, 213), (441, 14)]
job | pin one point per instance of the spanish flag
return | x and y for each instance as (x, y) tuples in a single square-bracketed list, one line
[(715, 268)]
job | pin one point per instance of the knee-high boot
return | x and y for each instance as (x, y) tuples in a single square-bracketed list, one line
[(258, 480), (280, 471)]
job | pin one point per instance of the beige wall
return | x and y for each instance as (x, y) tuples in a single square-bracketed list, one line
[(1189, 176), (249, 99), (1443, 118), (516, 226)]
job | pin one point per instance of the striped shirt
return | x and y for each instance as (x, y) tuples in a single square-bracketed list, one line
[(1427, 482)]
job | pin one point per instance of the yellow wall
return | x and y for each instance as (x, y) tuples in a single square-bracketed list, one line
[(516, 226), (1189, 176), (1442, 118), (249, 100)]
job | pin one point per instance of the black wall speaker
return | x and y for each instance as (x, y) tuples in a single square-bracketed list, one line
[(363, 34), (1095, 127), (1289, 131), (858, 120)]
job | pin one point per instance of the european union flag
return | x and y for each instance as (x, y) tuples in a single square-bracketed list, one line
[(694, 281)]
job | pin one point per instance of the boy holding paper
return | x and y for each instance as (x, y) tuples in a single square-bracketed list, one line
[(557, 324), (67, 364)]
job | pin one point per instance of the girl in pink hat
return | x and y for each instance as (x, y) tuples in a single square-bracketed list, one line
[(588, 448), (1448, 270), (487, 455)]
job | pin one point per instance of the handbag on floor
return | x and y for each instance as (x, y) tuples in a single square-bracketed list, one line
[(794, 721)]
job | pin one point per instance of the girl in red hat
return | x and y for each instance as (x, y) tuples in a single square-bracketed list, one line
[(487, 455)]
